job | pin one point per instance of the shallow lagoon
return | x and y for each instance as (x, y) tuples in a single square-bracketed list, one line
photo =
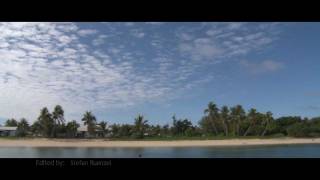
[(265, 151)]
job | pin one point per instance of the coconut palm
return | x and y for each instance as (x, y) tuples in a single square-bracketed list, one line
[(36, 128), (90, 121), (237, 116), (225, 118), (268, 118), (58, 118), (212, 112), (103, 126), (58, 114), (46, 122), (252, 118), (11, 123), (140, 126), (23, 127), (72, 128)]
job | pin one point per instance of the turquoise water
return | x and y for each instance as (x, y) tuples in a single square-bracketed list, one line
[(278, 151)]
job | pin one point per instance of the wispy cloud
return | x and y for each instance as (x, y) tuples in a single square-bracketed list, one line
[(99, 40), (86, 32), (137, 33), (225, 39), (312, 108), (155, 23), (83, 68), (262, 67)]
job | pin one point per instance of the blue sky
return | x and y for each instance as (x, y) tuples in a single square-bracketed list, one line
[(118, 70)]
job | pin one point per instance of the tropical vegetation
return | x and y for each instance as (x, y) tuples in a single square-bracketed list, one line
[(222, 122)]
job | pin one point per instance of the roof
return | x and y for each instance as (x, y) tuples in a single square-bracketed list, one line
[(85, 128), (4, 128)]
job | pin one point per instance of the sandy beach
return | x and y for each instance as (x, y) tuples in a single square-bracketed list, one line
[(178, 143)]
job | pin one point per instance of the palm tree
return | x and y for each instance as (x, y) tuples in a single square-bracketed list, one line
[(58, 118), (268, 118), (140, 126), (58, 115), (252, 118), (11, 123), (165, 130), (237, 116), (36, 128), (89, 120), (23, 127), (72, 128), (46, 122), (103, 126), (225, 119), (213, 112)]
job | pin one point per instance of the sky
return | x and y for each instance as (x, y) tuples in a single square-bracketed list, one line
[(118, 70)]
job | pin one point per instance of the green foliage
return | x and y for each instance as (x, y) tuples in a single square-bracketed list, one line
[(283, 123), (140, 126), (23, 128), (58, 120), (90, 121), (11, 123), (303, 129), (46, 122), (103, 127), (36, 128), (126, 130), (115, 129), (217, 123), (182, 127), (71, 128)]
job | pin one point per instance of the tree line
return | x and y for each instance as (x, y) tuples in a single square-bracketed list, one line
[(216, 122)]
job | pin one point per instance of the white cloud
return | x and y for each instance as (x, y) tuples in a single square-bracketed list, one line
[(262, 67), (44, 64), (137, 33), (155, 23), (213, 32), (185, 36), (86, 32), (201, 48), (129, 24), (99, 40)]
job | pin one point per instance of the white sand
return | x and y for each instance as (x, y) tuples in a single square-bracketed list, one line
[(179, 143)]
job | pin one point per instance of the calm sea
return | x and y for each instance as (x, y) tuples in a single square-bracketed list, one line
[(278, 151)]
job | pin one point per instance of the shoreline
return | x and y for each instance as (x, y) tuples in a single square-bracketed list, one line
[(87, 143)]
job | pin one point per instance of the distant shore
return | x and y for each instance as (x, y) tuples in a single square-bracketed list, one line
[(39, 142)]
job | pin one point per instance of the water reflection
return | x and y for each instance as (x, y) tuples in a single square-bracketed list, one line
[(279, 151)]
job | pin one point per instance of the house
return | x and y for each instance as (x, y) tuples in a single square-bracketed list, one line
[(8, 131), (82, 131)]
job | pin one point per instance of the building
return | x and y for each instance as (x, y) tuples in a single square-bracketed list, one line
[(8, 131), (82, 131)]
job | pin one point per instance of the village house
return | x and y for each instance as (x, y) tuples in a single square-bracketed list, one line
[(8, 131), (82, 131)]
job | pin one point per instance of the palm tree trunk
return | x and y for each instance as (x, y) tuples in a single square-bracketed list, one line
[(247, 131), (215, 128), (265, 130), (225, 128), (238, 128), (234, 129), (53, 132)]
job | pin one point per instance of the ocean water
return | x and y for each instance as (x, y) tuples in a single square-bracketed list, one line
[(267, 151)]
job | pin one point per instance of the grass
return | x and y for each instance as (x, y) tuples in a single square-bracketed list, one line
[(162, 138), (175, 138)]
